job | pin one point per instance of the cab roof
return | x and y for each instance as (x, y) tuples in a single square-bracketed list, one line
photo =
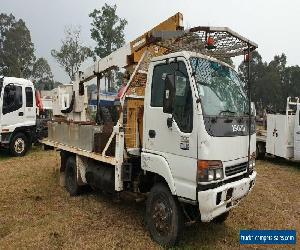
[(188, 55), (22, 81)]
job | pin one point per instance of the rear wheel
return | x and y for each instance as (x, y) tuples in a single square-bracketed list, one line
[(260, 150), (163, 216), (19, 145), (71, 183)]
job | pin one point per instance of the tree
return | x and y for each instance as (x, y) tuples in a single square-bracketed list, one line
[(41, 70), (108, 31), (257, 73), (71, 54), (292, 81), (272, 83), (42, 75), (16, 48), (6, 21)]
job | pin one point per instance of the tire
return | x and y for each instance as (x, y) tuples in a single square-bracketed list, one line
[(19, 145), (260, 151), (164, 216), (71, 183), (221, 218)]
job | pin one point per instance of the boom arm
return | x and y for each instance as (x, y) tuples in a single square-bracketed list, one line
[(131, 53), (167, 37)]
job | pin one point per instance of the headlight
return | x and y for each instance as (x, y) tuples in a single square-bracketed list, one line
[(252, 162), (219, 173), (209, 171)]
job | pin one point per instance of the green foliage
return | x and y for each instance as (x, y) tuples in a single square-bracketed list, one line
[(108, 32), (41, 70), (42, 75), (71, 54), (271, 82), (6, 22), (17, 54), (16, 48)]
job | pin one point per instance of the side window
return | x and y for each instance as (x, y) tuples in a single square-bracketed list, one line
[(158, 82), (12, 98), (158, 85), (183, 104), (29, 97)]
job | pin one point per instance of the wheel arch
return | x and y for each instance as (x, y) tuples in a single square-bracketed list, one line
[(160, 169), (28, 131)]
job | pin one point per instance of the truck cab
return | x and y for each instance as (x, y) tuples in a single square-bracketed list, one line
[(17, 114), (196, 131)]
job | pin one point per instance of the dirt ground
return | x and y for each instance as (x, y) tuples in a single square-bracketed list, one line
[(35, 212)]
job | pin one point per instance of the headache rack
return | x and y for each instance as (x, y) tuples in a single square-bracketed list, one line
[(227, 43)]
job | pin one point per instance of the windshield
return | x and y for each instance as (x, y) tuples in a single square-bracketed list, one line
[(220, 89)]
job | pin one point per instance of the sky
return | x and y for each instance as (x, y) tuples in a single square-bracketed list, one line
[(272, 24)]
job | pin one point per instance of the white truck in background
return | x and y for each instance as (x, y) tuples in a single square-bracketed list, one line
[(282, 136), (18, 115), (184, 136)]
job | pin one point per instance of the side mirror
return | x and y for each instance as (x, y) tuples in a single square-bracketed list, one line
[(169, 94)]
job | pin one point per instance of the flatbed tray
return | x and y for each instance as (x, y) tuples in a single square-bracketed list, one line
[(81, 152)]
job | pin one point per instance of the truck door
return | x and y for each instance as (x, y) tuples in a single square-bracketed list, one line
[(12, 106), (30, 111), (177, 143), (271, 134), (297, 134)]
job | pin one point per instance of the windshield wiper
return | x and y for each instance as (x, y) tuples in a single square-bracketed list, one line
[(227, 111)]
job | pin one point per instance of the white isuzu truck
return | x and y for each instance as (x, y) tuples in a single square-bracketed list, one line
[(17, 114), (21, 123), (184, 136)]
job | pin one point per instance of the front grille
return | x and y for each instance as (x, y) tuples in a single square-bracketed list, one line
[(232, 170)]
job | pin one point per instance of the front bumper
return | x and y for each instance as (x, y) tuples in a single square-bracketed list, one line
[(214, 202)]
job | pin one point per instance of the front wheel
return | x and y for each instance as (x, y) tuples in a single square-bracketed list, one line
[(163, 216), (19, 145)]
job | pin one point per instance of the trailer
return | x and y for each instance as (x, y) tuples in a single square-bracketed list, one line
[(184, 136), (282, 136)]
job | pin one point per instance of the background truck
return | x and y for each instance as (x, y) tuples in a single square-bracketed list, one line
[(282, 136), (19, 125), (184, 136)]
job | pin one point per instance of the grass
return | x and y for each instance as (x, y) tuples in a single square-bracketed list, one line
[(35, 212)]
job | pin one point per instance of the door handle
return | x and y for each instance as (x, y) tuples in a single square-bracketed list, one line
[(21, 113), (298, 132), (152, 133)]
